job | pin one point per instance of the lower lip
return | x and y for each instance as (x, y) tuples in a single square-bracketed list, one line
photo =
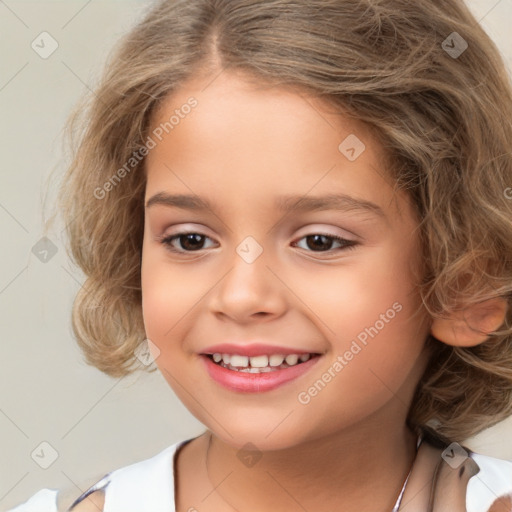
[(255, 382)]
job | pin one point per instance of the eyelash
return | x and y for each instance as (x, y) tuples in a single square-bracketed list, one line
[(346, 244)]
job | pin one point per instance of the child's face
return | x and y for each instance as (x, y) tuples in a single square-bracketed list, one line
[(241, 149)]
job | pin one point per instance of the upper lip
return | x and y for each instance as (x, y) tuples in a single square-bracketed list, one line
[(253, 349)]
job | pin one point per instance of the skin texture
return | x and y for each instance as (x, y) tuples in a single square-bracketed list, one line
[(93, 503), (503, 504), (240, 148)]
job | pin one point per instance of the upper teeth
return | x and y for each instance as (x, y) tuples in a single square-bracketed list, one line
[(260, 361)]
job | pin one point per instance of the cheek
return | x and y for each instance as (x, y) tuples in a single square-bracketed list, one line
[(161, 305), (170, 296), (370, 311), (354, 296)]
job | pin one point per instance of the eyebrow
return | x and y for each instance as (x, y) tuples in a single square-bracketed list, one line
[(290, 203)]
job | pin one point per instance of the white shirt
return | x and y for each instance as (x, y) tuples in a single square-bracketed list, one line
[(148, 485)]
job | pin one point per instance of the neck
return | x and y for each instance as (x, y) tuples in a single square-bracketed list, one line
[(362, 468)]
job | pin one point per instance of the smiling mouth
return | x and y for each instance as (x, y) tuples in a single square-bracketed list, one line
[(259, 364)]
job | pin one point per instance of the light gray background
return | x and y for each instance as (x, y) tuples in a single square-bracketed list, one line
[(48, 393)]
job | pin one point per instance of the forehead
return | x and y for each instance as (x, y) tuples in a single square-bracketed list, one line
[(256, 139), (235, 101)]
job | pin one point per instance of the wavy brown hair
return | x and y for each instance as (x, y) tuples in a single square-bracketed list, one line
[(444, 122)]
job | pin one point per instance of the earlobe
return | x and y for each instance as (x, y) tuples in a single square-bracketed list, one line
[(472, 325)]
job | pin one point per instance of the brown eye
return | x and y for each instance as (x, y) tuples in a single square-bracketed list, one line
[(189, 241), (319, 242)]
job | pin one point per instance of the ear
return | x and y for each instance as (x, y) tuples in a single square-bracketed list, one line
[(472, 325)]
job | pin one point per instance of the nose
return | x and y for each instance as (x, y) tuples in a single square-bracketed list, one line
[(251, 288)]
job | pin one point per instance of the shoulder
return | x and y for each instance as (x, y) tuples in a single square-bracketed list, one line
[(463, 480), (44, 499), (500, 469), (92, 499), (133, 486), (94, 502), (490, 489), (145, 480), (53, 500)]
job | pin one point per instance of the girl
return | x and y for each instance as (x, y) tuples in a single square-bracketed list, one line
[(302, 211)]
